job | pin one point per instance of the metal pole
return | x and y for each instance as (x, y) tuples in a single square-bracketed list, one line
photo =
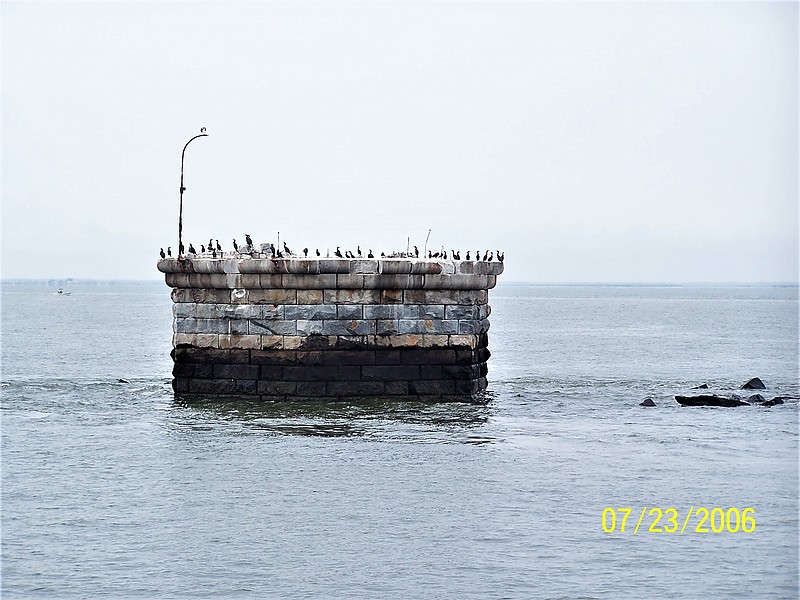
[(183, 189)]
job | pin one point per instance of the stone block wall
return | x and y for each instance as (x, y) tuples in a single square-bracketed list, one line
[(335, 329)]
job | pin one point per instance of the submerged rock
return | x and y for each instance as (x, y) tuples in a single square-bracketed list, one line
[(708, 400), (754, 384), (774, 401), (122, 381), (756, 398), (647, 402), (703, 386)]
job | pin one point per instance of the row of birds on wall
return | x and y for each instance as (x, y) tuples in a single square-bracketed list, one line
[(214, 250)]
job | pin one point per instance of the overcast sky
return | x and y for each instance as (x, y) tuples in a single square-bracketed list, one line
[(593, 142)]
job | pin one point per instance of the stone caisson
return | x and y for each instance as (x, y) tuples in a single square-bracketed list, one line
[(331, 329)]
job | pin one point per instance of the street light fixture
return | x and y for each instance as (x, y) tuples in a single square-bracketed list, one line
[(183, 189)]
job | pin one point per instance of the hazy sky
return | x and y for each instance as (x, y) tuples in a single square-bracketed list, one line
[(593, 142)]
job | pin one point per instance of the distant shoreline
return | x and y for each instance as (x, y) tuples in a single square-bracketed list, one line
[(52, 282)]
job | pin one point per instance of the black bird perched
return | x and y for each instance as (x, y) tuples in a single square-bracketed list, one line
[(235, 245), (213, 253), (430, 254), (491, 256), (180, 250), (467, 254), (318, 254), (444, 254), (338, 252), (202, 249), (305, 252), (416, 252), (272, 250), (456, 255), (209, 244), (162, 253), (219, 248), (248, 239), (191, 249), (286, 249), (383, 255), (485, 255), (169, 250), (358, 249), (370, 255), (501, 257)]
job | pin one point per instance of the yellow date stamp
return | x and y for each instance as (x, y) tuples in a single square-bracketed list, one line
[(670, 520)]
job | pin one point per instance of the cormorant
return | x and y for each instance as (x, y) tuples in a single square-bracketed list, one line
[(219, 248), (191, 249), (272, 250), (169, 250), (416, 252), (491, 256), (286, 249), (358, 249), (162, 253), (235, 245), (202, 249), (213, 253), (338, 252), (467, 254), (501, 257), (180, 250), (485, 255), (370, 255), (305, 252), (430, 254), (318, 254), (248, 239), (209, 244), (383, 255), (444, 254)]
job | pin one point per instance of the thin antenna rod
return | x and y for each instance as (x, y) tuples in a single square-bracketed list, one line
[(425, 251)]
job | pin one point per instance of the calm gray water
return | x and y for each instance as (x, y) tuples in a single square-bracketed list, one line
[(115, 490)]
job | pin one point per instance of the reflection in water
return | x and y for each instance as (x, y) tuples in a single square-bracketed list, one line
[(334, 419)]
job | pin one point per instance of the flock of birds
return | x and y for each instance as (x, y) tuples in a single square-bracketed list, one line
[(214, 250)]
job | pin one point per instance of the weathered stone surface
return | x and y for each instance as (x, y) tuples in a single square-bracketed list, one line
[(309, 296), (327, 328), (305, 327), (647, 402), (311, 312)]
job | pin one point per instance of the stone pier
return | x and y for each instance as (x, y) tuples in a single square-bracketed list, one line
[(331, 329)]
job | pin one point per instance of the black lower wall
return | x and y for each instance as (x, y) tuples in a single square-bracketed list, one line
[(424, 374)]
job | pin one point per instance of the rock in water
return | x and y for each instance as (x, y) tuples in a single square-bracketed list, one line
[(701, 387), (774, 401), (709, 401), (122, 381), (756, 398), (754, 384), (647, 402)]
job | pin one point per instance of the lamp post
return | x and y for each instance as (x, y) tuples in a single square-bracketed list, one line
[(183, 189)]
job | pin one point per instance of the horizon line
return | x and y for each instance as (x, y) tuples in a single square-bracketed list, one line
[(76, 280)]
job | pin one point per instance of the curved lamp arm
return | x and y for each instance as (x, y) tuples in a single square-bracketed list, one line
[(183, 189)]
